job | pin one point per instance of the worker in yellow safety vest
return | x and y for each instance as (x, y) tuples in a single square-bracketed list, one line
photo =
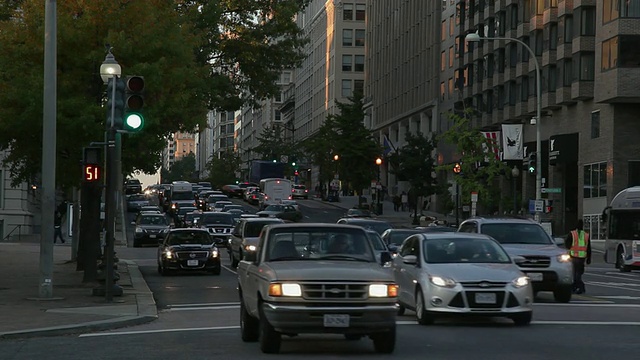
[(579, 248)]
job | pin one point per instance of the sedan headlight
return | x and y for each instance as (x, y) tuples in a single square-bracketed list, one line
[(522, 281), (563, 258), (287, 289), (214, 253), (250, 247), (168, 254), (383, 290), (442, 281), (139, 230)]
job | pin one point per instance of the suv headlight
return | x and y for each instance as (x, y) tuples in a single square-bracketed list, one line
[(168, 254), (250, 247), (139, 230), (442, 281), (383, 290), (214, 253), (287, 289), (522, 281), (564, 258)]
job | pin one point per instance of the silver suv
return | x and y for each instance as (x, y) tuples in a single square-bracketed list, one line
[(547, 265)]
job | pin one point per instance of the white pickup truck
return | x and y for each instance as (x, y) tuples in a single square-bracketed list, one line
[(316, 278)]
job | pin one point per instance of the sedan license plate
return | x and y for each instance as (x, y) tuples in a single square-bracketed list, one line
[(337, 320), (152, 236), (535, 276), (192, 262), (485, 298)]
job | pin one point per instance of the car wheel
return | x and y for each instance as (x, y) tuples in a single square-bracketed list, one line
[(249, 326), (384, 343), (353, 337), (620, 261), (563, 294), (401, 310), (270, 339), (522, 319), (424, 318)]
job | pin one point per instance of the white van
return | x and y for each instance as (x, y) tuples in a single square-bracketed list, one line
[(275, 190)]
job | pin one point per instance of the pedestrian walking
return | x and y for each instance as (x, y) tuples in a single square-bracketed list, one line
[(579, 246), (405, 201), (396, 203), (57, 226)]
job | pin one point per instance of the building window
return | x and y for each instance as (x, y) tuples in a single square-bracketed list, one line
[(584, 68), (347, 62), (633, 178), (553, 36), (539, 42), (586, 21), (595, 124), (525, 52), (451, 56), (358, 86), (457, 47), (552, 78), (451, 88), (1, 189), (347, 37), (452, 26), (443, 90), (443, 30), (347, 12), (443, 61), (513, 54), (537, 7), (610, 10), (360, 12), (360, 37), (524, 90), (629, 52), (359, 65), (595, 180), (347, 91), (277, 116), (610, 54), (630, 8), (457, 14)]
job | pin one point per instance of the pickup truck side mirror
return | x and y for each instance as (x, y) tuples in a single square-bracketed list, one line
[(250, 256), (385, 257)]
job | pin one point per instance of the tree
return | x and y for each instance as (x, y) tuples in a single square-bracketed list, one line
[(318, 150), (415, 161), (183, 169), (479, 168), (198, 55), (222, 170)]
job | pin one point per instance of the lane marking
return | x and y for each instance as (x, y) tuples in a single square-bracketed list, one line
[(592, 305), (602, 323), (203, 304), (229, 269), (622, 297), (623, 274), (161, 331), (608, 285), (617, 278)]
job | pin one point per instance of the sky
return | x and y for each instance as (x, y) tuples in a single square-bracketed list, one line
[(146, 180)]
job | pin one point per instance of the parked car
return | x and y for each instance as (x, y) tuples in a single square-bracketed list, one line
[(284, 212), (299, 191), (463, 274), (149, 229), (244, 238), (188, 250), (547, 265), (378, 225)]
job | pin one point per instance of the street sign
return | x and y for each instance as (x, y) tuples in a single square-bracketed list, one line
[(539, 205), (474, 196), (284, 159), (551, 190)]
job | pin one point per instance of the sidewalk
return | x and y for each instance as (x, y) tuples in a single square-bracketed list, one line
[(72, 309), (396, 218)]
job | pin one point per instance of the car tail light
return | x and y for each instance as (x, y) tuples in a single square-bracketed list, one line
[(293, 190), (305, 190)]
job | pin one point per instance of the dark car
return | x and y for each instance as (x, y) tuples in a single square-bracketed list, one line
[(132, 186), (228, 207), (150, 208), (150, 228), (233, 191), (189, 250), (378, 225), (181, 213), (213, 199), (395, 237), (358, 213), (191, 219), (219, 225), (254, 197), (284, 212), (136, 202)]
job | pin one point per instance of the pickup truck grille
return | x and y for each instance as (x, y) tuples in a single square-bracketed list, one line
[(536, 262), (334, 291)]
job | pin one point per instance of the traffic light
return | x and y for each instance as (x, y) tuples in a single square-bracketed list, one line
[(91, 164), (133, 103), (532, 163), (548, 208), (115, 103)]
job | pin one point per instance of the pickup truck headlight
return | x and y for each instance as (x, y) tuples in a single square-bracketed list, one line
[(277, 289), (522, 281), (383, 290), (563, 258)]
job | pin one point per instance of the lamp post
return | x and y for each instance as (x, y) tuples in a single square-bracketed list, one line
[(476, 38), (336, 177), (110, 70), (457, 169), (515, 172), (378, 188)]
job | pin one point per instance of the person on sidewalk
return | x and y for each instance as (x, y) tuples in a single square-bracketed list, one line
[(57, 226), (405, 201), (579, 248), (396, 203)]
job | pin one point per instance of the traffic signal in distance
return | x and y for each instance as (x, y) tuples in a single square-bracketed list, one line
[(548, 206), (532, 163), (115, 102), (133, 103)]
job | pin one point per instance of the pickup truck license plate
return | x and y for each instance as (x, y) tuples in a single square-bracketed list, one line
[(192, 262), (485, 298), (535, 276), (337, 320)]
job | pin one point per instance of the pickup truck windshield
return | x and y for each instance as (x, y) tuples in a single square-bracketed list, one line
[(319, 244)]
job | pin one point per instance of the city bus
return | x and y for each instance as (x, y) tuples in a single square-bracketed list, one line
[(275, 190), (622, 242)]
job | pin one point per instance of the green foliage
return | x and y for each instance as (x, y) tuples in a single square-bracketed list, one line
[(222, 170), (472, 150), (197, 55), (318, 149), (415, 162), (183, 169)]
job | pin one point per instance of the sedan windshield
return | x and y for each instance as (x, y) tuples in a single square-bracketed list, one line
[(463, 250), (511, 233), (153, 220), (319, 244), (189, 238)]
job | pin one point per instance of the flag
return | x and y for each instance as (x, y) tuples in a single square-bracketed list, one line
[(512, 141), (388, 146), (494, 141)]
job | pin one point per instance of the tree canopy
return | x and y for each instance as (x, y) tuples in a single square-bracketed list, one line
[(194, 56), (222, 170), (182, 169)]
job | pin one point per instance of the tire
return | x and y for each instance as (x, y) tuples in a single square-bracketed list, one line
[(353, 337), (401, 310), (249, 326), (522, 319), (385, 343), (562, 294), (423, 316), (270, 339), (620, 261)]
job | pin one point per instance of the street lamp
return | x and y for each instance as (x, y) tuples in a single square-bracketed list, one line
[(515, 172), (378, 188), (110, 70), (457, 169), (336, 177), (474, 37)]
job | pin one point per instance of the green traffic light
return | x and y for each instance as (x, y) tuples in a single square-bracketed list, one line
[(293, 163), (133, 122), (532, 169)]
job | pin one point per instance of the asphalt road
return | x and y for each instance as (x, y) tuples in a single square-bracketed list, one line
[(199, 318)]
